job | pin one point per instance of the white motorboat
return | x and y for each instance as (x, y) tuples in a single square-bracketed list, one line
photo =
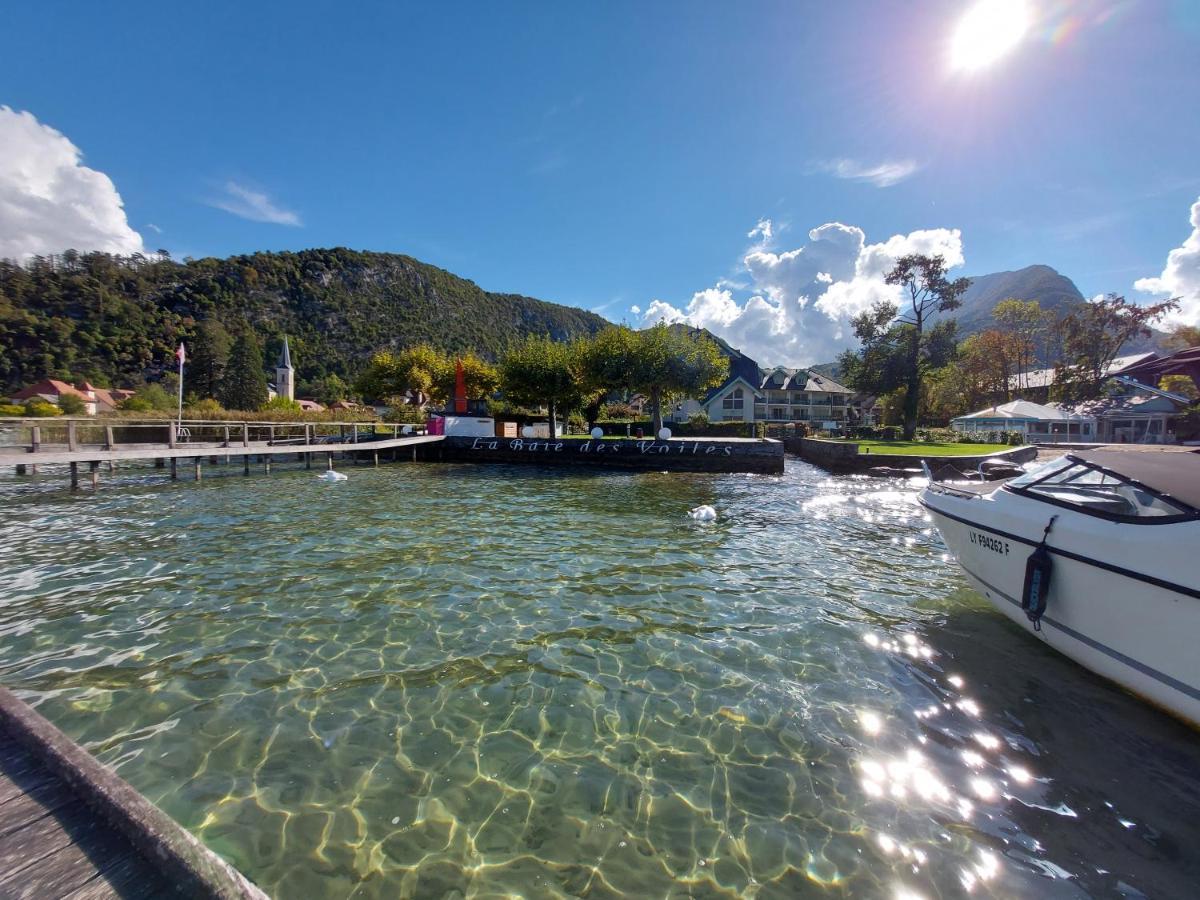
[(1098, 555)]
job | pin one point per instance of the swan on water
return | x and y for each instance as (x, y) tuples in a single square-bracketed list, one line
[(332, 476), (703, 513)]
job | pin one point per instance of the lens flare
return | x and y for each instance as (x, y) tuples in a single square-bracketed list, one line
[(987, 31)]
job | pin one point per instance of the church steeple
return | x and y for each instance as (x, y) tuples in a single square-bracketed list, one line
[(285, 385)]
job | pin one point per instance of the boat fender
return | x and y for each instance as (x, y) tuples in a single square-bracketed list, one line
[(1038, 569)]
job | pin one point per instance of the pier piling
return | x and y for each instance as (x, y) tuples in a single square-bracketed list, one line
[(174, 468), (197, 468), (246, 464), (74, 476), (94, 466), (20, 469)]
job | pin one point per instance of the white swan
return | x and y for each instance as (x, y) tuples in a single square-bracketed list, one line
[(703, 513), (332, 476)]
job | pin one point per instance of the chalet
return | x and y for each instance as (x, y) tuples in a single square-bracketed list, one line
[(95, 400)]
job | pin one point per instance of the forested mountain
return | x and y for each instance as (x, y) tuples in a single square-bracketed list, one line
[(117, 320), (1055, 292)]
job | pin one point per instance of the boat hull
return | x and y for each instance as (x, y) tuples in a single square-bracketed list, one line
[(1123, 599)]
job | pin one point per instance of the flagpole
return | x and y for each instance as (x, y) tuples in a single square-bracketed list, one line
[(179, 353)]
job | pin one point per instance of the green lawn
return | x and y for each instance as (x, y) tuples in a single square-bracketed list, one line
[(923, 448)]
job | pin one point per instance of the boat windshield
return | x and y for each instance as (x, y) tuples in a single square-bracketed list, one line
[(1068, 482)]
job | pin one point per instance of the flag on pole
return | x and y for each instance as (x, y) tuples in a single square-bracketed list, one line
[(180, 354)]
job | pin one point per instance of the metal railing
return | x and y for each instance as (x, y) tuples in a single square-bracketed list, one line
[(32, 435)]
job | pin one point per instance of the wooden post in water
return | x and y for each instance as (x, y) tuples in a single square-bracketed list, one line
[(108, 438), (160, 463), (174, 468), (74, 476), (245, 463), (246, 436), (20, 469), (95, 467), (267, 462), (197, 468), (308, 460), (35, 438), (227, 437), (72, 436), (375, 456)]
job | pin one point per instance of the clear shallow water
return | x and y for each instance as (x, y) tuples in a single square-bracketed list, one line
[(431, 681)]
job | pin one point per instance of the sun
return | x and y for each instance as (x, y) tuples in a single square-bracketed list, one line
[(987, 31)]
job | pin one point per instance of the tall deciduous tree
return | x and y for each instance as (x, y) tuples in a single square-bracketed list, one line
[(207, 357), (884, 366), (538, 370), (661, 362), (1093, 336), (1022, 323), (244, 384), (926, 290)]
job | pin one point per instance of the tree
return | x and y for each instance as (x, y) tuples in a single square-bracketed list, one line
[(662, 361), (35, 407), (1093, 336), (1182, 337), (329, 389), (244, 384), (926, 291), (208, 356), (72, 405), (1022, 323), (538, 370), (883, 365), (151, 398)]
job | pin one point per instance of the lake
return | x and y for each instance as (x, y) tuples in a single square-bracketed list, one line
[(454, 680)]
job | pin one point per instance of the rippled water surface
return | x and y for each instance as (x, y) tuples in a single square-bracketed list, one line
[(471, 681)]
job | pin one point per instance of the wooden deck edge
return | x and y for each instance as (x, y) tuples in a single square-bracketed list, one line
[(181, 856)]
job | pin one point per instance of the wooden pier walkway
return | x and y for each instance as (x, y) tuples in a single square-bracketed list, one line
[(26, 444), (71, 828)]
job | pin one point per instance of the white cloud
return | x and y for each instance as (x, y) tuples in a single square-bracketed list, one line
[(636, 310), (883, 174), (801, 301), (256, 206), (762, 230), (49, 200), (1181, 277), (154, 228)]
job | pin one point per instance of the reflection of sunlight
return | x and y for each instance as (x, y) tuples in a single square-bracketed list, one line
[(871, 723), (987, 31)]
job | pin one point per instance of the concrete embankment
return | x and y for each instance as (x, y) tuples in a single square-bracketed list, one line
[(676, 455)]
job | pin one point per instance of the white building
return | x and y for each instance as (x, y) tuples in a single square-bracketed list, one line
[(1033, 421)]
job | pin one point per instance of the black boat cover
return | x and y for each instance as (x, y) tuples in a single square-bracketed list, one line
[(1173, 473)]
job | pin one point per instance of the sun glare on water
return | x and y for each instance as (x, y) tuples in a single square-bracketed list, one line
[(987, 31)]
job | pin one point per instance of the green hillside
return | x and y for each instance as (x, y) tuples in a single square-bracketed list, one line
[(117, 320)]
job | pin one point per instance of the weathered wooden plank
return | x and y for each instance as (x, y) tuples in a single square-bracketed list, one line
[(76, 865), (21, 783), (31, 805), (27, 846), (129, 876)]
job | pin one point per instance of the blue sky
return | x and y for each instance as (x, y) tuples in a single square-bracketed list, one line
[(610, 155)]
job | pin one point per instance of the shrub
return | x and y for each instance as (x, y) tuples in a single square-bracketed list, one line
[(208, 408), (618, 412), (889, 433), (40, 409), (11, 409), (280, 404), (698, 420), (72, 405)]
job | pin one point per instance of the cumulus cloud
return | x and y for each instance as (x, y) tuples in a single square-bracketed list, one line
[(801, 301), (883, 174), (256, 206), (1181, 277), (49, 200)]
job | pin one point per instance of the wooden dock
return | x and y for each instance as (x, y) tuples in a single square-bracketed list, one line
[(70, 828), (26, 444)]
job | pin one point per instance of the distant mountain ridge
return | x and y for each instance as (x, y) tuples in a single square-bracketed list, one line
[(1054, 291), (116, 320)]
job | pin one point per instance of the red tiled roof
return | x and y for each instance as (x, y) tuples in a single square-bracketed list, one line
[(49, 386)]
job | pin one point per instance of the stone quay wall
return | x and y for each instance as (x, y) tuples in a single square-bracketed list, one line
[(674, 455)]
